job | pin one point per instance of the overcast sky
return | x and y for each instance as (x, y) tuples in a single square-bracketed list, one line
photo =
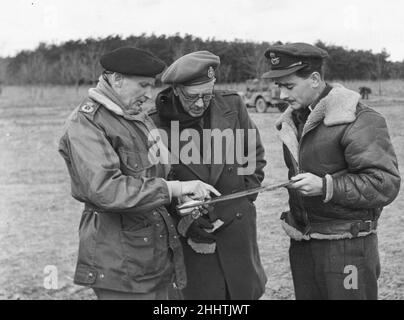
[(355, 24)]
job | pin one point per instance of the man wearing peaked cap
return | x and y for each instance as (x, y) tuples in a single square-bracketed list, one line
[(290, 58), (220, 246), (128, 248), (340, 157)]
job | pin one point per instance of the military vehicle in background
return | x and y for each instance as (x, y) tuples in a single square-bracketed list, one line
[(263, 94)]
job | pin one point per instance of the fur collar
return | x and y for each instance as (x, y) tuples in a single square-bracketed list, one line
[(105, 101), (338, 107)]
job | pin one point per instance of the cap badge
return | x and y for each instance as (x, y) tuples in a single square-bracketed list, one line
[(274, 59), (87, 108), (211, 72)]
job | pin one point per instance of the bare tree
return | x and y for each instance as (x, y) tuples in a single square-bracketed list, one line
[(224, 73), (91, 55), (34, 70), (72, 66)]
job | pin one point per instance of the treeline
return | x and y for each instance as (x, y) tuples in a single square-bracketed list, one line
[(73, 62)]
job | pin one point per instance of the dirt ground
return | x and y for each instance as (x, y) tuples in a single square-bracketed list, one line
[(39, 219)]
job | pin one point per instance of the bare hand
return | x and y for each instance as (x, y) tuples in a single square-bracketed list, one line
[(308, 184), (198, 190), (196, 211)]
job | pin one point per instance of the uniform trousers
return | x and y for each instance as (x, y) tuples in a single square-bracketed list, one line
[(346, 269)]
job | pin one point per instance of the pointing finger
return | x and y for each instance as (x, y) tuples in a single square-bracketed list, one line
[(212, 189)]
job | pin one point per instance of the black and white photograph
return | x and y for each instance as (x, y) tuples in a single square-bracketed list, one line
[(221, 151)]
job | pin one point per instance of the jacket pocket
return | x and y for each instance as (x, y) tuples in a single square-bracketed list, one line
[(138, 250), (134, 163)]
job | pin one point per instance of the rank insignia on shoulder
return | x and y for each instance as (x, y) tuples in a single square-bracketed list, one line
[(87, 108)]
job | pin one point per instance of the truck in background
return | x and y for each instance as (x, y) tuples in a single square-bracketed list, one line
[(262, 95)]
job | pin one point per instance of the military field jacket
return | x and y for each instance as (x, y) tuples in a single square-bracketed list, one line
[(128, 241)]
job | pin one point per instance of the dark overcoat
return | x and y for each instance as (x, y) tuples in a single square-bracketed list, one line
[(236, 262)]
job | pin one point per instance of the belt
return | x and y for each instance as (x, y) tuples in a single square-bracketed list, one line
[(327, 230), (364, 226), (354, 227)]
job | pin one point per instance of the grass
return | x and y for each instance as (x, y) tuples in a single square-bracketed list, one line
[(39, 219)]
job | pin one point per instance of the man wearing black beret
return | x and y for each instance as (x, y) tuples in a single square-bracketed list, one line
[(220, 246), (340, 157), (129, 248)]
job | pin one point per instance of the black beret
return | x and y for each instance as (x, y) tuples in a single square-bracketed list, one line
[(132, 61), (289, 58)]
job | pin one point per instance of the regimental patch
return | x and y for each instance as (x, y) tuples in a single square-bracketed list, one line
[(274, 59), (87, 108), (211, 72)]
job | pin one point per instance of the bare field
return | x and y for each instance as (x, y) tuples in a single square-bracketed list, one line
[(39, 219), (390, 89)]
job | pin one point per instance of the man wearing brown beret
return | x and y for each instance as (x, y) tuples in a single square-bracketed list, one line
[(220, 247), (340, 157), (129, 248)]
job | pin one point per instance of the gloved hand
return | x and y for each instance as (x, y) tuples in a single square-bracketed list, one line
[(197, 233), (195, 189)]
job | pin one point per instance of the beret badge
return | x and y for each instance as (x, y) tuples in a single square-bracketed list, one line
[(211, 72), (274, 59)]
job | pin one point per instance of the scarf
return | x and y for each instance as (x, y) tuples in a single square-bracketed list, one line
[(175, 112), (104, 94)]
